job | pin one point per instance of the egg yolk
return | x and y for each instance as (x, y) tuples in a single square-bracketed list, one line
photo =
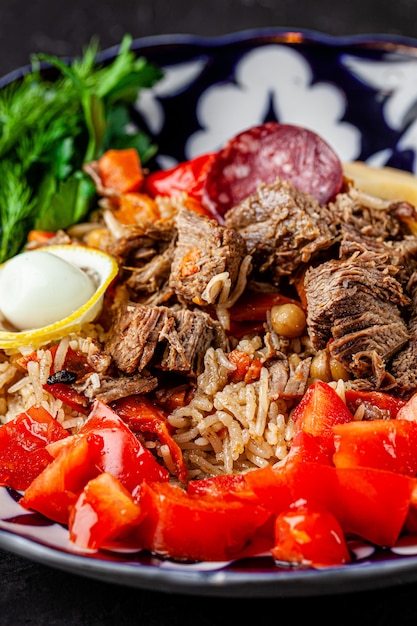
[(38, 288)]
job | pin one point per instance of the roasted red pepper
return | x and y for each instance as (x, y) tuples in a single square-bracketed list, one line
[(23, 443), (188, 176), (309, 537), (184, 526), (143, 416), (104, 511)]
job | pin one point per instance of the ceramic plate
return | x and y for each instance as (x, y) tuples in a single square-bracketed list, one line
[(360, 94), (33, 536)]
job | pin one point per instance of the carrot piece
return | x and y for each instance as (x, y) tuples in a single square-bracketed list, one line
[(136, 208), (40, 236), (121, 170), (189, 262)]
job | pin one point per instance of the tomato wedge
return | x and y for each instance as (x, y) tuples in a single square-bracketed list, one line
[(103, 444), (222, 486), (319, 410), (58, 486), (121, 453)]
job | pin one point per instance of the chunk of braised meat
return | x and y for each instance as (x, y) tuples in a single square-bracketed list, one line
[(401, 253), (355, 308), (369, 216), (287, 381), (150, 281), (157, 336), (404, 364), (205, 251), (137, 245), (112, 388), (283, 228), (145, 258)]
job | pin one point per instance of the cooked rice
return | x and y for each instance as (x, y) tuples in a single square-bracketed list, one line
[(20, 389), (230, 427)]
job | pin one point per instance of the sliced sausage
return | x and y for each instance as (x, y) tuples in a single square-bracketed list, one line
[(267, 152)]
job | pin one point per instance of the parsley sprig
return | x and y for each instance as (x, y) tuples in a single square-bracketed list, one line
[(50, 128)]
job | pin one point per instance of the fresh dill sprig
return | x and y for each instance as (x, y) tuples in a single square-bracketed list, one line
[(50, 128)]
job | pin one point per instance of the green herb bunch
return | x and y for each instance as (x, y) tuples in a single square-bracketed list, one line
[(50, 128)]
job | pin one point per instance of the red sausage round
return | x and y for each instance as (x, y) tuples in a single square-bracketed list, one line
[(264, 153)]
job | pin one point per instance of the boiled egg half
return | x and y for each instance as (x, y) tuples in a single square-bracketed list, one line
[(51, 291)]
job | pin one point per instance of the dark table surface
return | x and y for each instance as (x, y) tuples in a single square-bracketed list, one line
[(31, 593)]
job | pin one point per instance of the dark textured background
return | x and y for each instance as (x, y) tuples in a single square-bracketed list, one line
[(64, 26), (40, 596)]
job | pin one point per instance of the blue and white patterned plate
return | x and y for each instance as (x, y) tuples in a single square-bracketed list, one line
[(360, 94)]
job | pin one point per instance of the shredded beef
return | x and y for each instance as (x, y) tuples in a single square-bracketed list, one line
[(283, 228), (369, 216), (175, 340), (404, 365), (401, 253), (114, 387), (287, 382), (355, 308), (152, 278), (204, 250)]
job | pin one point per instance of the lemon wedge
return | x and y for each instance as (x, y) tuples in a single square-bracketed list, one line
[(101, 269), (386, 182)]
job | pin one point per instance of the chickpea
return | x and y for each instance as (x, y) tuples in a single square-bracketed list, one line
[(337, 370), (288, 320), (326, 368), (98, 238), (320, 367)]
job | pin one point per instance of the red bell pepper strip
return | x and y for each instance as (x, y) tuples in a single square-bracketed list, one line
[(367, 502), (105, 511), (143, 416), (375, 403), (23, 443), (183, 526), (74, 361), (314, 417), (383, 444), (309, 537), (188, 176), (69, 396), (252, 306)]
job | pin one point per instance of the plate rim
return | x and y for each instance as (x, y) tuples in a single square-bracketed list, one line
[(274, 34), (337, 580)]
